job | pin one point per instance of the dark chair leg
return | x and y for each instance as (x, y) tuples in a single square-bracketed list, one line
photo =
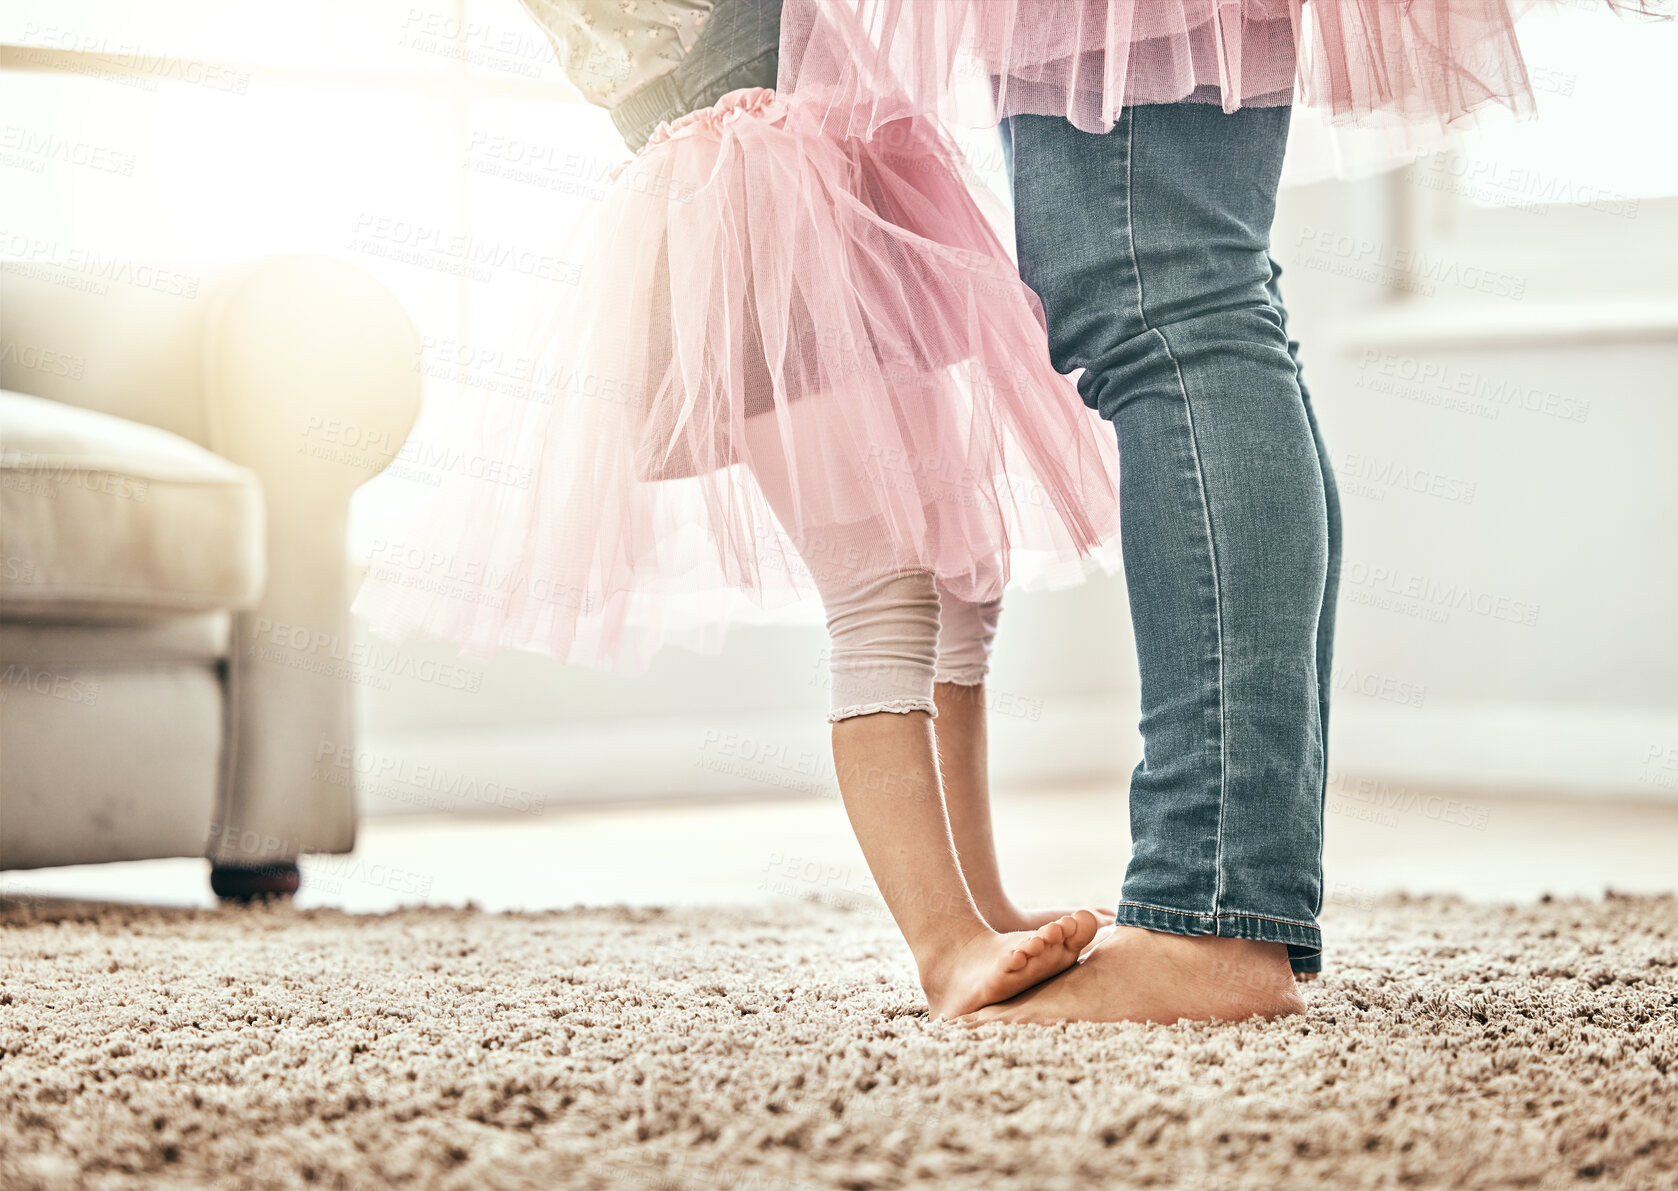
[(255, 882)]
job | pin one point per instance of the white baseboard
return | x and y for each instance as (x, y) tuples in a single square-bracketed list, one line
[(1527, 749), (715, 757)]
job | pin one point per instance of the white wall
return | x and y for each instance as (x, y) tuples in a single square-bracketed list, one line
[(1508, 627), (1541, 430), (310, 137)]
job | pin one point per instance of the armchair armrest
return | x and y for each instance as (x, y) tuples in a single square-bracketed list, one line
[(310, 379)]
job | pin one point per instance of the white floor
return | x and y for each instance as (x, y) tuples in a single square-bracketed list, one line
[(1057, 846)]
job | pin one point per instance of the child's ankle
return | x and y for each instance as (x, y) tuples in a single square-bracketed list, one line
[(936, 957), (1001, 913)]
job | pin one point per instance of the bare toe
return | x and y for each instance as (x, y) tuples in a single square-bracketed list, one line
[(1007, 918), (1081, 931)]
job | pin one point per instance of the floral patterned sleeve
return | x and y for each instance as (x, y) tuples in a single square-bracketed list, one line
[(610, 47)]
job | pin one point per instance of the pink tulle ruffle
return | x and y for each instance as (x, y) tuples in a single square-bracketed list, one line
[(1384, 79), (754, 103), (791, 361)]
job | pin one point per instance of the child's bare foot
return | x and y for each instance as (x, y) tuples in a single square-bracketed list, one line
[(1140, 975), (1006, 917), (991, 967)]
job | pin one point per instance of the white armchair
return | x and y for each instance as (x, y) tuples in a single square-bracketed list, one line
[(174, 583)]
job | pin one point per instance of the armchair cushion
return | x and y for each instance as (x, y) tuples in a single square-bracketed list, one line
[(103, 519)]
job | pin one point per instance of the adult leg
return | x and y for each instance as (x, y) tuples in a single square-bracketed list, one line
[(1308, 966), (1150, 249)]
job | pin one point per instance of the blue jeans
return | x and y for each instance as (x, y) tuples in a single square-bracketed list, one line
[(1150, 248)]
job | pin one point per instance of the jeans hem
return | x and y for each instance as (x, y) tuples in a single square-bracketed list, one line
[(1227, 925), (1309, 961)]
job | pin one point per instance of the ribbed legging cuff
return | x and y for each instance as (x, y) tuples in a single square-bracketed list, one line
[(895, 706)]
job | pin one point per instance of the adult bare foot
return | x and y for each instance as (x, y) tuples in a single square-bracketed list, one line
[(990, 967), (1141, 975)]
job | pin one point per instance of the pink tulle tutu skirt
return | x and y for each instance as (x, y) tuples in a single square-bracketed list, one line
[(1373, 82), (793, 361)]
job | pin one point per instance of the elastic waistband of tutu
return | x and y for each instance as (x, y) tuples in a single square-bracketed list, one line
[(748, 102), (738, 48), (757, 103)]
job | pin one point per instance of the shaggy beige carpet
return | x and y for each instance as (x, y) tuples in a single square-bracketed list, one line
[(1450, 1046)]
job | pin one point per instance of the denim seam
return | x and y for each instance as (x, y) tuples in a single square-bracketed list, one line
[(1222, 914), (1205, 508)]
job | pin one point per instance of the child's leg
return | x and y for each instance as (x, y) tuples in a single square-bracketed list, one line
[(884, 641), (884, 634), (883, 638), (965, 633)]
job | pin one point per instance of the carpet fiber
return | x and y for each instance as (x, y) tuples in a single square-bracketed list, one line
[(1449, 1045)]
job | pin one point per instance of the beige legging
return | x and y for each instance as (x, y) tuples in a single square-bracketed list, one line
[(893, 634), (893, 637)]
